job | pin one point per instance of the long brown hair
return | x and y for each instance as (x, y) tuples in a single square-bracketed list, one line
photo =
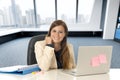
[(65, 55)]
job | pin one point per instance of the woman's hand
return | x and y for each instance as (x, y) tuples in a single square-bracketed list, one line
[(48, 40)]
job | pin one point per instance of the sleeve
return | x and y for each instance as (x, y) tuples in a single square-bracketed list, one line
[(72, 58), (43, 55), (50, 45)]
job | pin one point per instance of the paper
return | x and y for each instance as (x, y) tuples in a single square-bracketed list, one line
[(98, 60), (102, 58), (11, 68), (95, 61), (20, 69)]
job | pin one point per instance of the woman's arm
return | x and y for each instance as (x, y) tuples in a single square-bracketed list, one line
[(43, 55)]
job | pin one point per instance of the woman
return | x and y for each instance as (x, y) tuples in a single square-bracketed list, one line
[(54, 51)]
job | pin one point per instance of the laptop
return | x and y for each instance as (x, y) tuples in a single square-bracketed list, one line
[(92, 60)]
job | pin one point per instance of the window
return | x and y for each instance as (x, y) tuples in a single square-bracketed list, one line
[(45, 11), (85, 10), (21, 13), (24, 11), (66, 10), (6, 16), (16, 13)]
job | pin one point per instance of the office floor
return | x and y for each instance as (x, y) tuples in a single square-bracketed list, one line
[(15, 52)]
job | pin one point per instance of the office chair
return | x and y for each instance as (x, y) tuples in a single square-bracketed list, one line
[(30, 53)]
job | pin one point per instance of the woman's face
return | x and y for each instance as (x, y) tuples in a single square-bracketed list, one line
[(57, 34)]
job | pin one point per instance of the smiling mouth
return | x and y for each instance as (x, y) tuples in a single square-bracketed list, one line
[(56, 39)]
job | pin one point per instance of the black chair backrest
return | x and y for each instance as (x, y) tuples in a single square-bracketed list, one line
[(30, 53)]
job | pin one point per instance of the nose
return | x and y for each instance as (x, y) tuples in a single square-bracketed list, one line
[(57, 33)]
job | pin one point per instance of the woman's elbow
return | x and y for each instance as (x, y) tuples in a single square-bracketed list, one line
[(44, 68)]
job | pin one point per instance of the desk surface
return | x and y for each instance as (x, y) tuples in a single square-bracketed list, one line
[(59, 75)]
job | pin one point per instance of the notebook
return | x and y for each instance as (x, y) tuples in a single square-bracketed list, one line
[(92, 60)]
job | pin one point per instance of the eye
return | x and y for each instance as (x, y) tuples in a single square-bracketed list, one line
[(54, 31)]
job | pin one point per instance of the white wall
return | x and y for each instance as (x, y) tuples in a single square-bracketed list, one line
[(110, 19)]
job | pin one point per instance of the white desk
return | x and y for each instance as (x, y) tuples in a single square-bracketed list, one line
[(114, 74)]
